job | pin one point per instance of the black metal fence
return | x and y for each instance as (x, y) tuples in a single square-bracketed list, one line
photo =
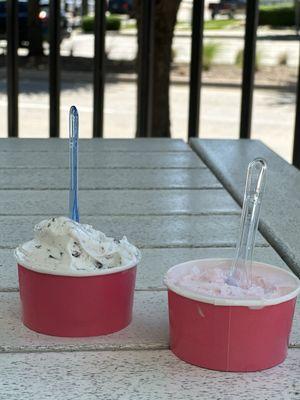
[(144, 103)]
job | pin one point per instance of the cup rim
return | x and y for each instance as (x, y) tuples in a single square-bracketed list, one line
[(222, 301), (106, 271)]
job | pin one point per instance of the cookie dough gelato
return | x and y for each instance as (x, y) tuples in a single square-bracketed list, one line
[(64, 247)]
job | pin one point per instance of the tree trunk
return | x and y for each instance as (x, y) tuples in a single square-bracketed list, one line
[(35, 34), (164, 24)]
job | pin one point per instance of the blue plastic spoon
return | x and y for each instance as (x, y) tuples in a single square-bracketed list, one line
[(73, 148)]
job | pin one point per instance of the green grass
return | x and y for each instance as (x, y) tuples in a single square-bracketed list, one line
[(129, 25), (182, 26), (212, 24), (222, 23), (240, 57), (275, 15), (185, 26), (210, 50)]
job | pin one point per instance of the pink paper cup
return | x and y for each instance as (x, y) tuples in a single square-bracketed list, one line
[(77, 306), (230, 334)]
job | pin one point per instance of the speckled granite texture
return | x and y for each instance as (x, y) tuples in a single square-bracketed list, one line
[(163, 197), (280, 216), (138, 375)]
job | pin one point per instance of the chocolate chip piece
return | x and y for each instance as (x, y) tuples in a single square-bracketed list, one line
[(52, 219), (50, 256), (98, 264), (76, 254), (76, 243), (61, 253), (38, 246), (48, 226), (117, 241)]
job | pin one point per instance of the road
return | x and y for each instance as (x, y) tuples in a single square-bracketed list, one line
[(273, 117)]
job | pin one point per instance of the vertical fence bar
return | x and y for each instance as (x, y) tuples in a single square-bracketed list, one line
[(84, 7), (54, 67), (145, 69), (196, 67), (296, 148), (12, 66), (248, 68), (99, 70)]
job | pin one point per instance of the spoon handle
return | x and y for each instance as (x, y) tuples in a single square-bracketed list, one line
[(73, 149), (241, 271)]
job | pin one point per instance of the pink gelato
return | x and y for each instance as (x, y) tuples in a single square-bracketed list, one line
[(210, 280)]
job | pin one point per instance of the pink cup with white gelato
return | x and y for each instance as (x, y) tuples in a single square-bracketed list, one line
[(227, 328), (75, 281)]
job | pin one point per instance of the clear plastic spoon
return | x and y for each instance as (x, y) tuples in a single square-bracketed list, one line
[(73, 149), (241, 272)]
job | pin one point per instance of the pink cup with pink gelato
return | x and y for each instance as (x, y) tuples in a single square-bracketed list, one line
[(227, 328)]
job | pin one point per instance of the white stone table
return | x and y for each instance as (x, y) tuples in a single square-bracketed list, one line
[(163, 197)]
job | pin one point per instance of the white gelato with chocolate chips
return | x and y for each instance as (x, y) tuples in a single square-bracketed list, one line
[(64, 247)]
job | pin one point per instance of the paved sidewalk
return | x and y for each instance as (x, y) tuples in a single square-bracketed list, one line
[(123, 46), (273, 117)]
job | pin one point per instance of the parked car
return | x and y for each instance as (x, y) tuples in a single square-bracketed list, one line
[(227, 7), (23, 20), (121, 7)]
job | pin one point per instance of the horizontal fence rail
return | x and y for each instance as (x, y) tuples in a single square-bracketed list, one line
[(145, 70)]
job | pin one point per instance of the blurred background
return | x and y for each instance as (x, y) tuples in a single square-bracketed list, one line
[(277, 58)]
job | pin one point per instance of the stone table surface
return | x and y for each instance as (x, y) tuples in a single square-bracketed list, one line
[(162, 195)]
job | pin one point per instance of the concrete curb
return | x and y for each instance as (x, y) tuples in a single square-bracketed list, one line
[(224, 34)]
